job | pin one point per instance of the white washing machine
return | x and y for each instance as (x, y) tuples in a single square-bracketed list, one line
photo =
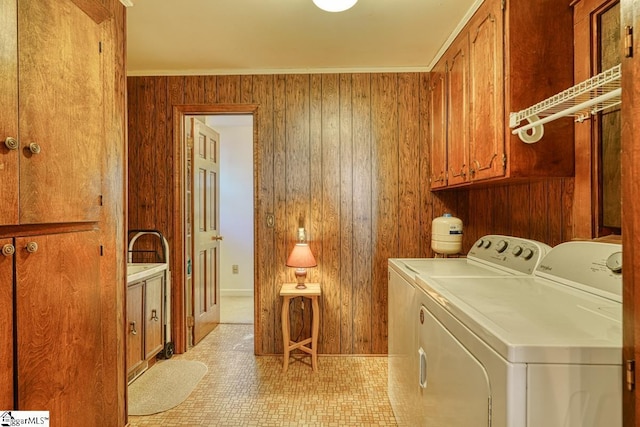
[(515, 351), (490, 256)]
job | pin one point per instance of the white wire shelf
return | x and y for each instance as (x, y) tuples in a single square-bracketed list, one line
[(598, 93)]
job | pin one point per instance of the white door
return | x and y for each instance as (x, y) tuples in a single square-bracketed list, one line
[(205, 175)]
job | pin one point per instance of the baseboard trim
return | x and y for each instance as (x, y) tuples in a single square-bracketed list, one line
[(236, 292)]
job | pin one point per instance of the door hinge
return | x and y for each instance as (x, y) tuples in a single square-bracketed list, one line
[(504, 162), (190, 321), (628, 41), (504, 4), (101, 250), (100, 200), (631, 375)]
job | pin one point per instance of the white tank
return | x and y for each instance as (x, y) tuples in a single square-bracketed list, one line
[(446, 234)]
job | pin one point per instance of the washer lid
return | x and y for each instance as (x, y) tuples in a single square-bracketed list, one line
[(451, 267), (534, 320)]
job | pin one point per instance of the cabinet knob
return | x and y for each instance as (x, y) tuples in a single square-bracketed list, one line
[(8, 250), (154, 315), (34, 148), (132, 328), (11, 143), (32, 247)]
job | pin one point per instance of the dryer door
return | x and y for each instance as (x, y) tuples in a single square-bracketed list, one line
[(454, 386)]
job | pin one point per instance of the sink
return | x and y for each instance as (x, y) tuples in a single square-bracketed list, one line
[(139, 271)]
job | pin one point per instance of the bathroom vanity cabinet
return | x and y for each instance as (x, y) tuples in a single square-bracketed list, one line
[(145, 320)]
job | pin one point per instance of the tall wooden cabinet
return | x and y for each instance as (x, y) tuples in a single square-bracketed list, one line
[(503, 61), (52, 134)]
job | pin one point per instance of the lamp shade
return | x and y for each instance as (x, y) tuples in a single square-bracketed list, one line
[(335, 5), (301, 257)]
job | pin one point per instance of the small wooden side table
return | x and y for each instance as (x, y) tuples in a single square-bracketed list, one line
[(287, 292)]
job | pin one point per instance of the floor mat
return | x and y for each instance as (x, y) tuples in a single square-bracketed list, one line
[(164, 386)]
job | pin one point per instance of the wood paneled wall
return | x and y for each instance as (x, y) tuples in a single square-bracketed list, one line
[(345, 156)]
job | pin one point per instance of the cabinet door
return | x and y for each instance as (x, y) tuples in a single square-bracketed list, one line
[(59, 327), (486, 86), (153, 316), (60, 110), (135, 325), (8, 112), (6, 325), (438, 101), (458, 107), (455, 389)]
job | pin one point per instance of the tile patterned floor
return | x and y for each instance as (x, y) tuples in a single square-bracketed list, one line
[(236, 309), (241, 389)]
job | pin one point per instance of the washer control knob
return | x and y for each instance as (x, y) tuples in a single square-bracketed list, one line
[(527, 254), (502, 246), (614, 262), (487, 244), (480, 243), (517, 251)]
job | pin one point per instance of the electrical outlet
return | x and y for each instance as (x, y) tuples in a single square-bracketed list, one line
[(234, 268)]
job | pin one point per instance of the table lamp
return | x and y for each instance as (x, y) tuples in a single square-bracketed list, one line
[(301, 258)]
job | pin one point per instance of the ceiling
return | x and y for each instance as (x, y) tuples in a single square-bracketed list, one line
[(179, 37)]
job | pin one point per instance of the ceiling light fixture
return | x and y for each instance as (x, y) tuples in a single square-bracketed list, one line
[(335, 5)]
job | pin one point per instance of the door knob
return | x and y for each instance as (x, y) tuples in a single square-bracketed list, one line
[(8, 250), (32, 247), (34, 148), (11, 143), (217, 238)]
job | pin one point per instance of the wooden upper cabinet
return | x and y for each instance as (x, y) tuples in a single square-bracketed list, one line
[(486, 54), (438, 101), (458, 111), (510, 55), (53, 110)]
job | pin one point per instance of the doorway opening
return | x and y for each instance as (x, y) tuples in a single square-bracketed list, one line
[(216, 204), (236, 216)]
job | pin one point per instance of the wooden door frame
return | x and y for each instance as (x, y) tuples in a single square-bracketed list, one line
[(178, 291), (630, 16)]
